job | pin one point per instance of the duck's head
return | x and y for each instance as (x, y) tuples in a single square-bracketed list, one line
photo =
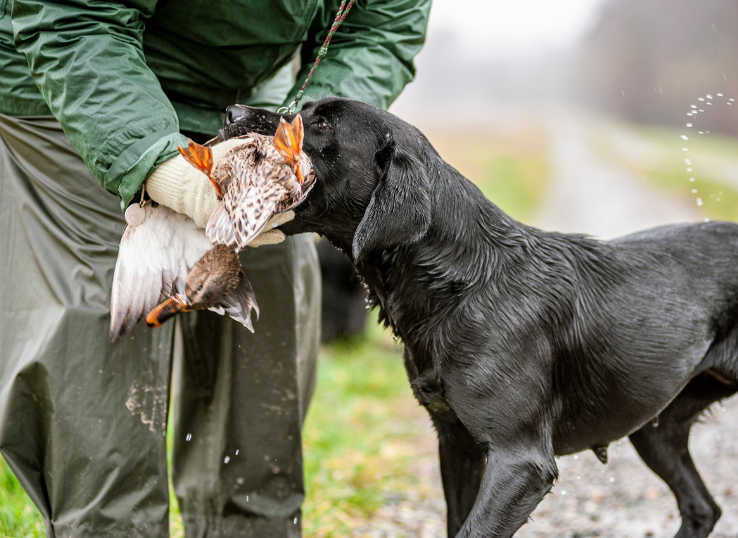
[(209, 281), (213, 277)]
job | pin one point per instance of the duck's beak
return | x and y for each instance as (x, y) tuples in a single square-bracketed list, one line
[(166, 310)]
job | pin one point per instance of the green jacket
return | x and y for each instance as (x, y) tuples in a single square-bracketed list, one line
[(123, 78)]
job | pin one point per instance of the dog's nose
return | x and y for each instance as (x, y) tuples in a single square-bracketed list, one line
[(234, 113)]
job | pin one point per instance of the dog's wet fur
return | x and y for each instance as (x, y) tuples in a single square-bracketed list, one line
[(522, 344)]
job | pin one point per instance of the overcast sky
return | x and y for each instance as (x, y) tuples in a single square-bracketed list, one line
[(497, 27)]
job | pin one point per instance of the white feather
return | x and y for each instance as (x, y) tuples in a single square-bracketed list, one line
[(153, 262)]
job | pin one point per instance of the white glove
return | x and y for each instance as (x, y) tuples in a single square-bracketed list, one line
[(271, 235), (185, 189), (182, 187)]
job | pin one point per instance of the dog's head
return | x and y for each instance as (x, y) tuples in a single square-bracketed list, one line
[(372, 188)]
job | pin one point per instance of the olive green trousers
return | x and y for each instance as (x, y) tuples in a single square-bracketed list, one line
[(83, 421)]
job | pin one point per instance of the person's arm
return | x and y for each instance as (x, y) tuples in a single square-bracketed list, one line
[(87, 59), (370, 57)]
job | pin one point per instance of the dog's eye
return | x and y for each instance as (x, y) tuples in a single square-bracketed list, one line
[(199, 288), (324, 125)]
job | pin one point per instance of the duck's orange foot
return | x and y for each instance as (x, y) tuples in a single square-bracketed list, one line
[(201, 158), (288, 142)]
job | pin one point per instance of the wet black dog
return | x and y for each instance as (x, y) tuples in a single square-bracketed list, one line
[(523, 344)]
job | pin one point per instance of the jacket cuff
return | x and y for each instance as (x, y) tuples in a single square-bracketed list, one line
[(132, 166)]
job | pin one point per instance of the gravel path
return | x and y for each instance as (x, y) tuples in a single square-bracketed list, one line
[(623, 498)]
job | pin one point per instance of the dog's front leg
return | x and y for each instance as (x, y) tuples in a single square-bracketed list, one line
[(515, 480), (508, 415), (462, 466)]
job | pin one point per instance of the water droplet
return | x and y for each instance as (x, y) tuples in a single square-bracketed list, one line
[(689, 125), (612, 479), (731, 99), (685, 149), (688, 161), (563, 492), (700, 99), (700, 132), (720, 95), (691, 179), (689, 169), (707, 220), (226, 459), (699, 201), (723, 409), (684, 137), (694, 191), (709, 96), (237, 452), (576, 456), (188, 437), (294, 521), (701, 110), (247, 498), (578, 477), (693, 106)]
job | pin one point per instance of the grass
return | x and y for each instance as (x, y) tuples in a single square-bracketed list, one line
[(511, 168), (657, 155), (365, 432), (19, 518), (359, 434)]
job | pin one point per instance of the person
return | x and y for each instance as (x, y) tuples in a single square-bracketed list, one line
[(104, 92)]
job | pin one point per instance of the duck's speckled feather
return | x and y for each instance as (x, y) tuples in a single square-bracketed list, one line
[(257, 183)]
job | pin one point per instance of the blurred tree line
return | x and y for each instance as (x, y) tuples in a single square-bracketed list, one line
[(649, 60)]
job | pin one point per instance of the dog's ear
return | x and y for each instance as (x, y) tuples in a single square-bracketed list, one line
[(399, 211)]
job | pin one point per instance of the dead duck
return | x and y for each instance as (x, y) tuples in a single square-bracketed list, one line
[(159, 258), (216, 282), (256, 181)]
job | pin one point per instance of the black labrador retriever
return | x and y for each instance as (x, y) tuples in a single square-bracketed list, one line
[(522, 344)]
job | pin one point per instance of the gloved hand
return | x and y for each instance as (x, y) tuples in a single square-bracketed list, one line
[(271, 235), (181, 187)]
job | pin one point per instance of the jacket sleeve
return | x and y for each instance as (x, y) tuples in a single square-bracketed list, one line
[(87, 59), (370, 57)]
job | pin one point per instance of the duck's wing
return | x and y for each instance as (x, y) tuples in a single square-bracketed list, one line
[(153, 262), (239, 303)]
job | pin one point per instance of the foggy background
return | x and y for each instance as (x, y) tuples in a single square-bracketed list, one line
[(642, 61)]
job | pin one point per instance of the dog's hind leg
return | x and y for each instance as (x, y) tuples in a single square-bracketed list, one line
[(665, 450), (462, 466)]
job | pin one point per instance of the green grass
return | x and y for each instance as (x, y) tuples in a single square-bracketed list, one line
[(364, 430), (719, 202), (510, 168), (19, 518), (660, 160), (358, 435)]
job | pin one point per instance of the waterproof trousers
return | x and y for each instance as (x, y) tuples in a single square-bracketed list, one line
[(83, 421)]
